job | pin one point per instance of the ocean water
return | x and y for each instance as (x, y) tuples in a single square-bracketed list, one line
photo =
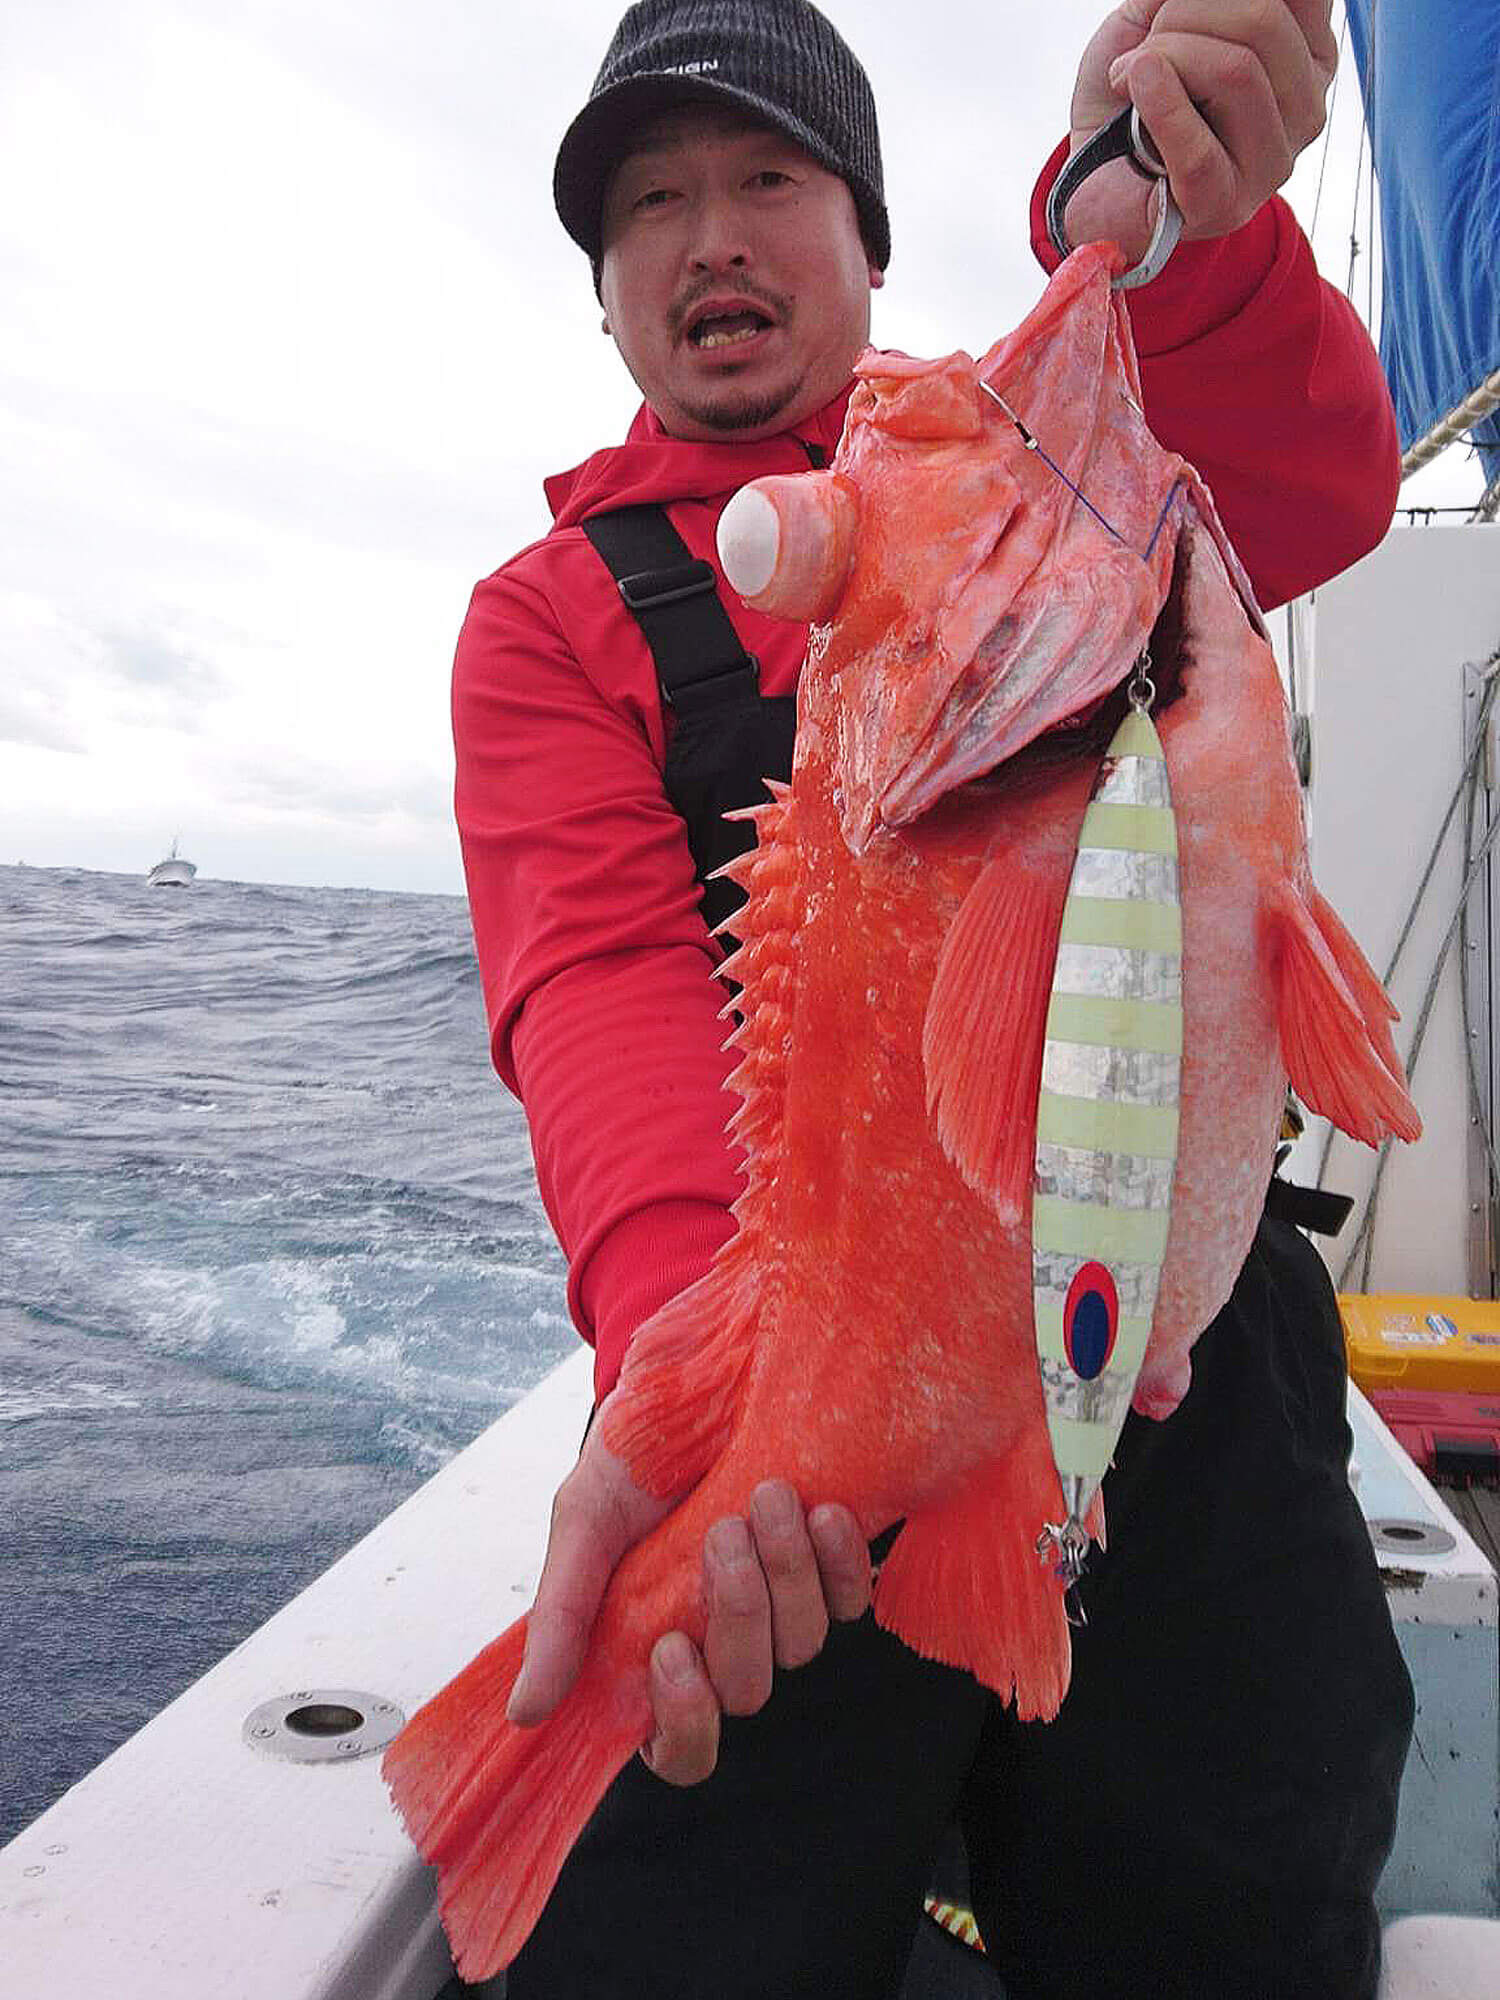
[(271, 1251)]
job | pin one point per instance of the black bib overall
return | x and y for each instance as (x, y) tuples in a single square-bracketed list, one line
[(1207, 1817)]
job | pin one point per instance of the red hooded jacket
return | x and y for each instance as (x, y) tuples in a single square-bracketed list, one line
[(595, 960)]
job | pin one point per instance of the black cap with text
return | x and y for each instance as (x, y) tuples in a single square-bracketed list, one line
[(777, 60)]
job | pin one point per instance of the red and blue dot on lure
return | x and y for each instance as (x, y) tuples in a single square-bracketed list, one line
[(1091, 1320)]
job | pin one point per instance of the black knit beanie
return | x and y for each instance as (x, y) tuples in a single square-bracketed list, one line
[(780, 60)]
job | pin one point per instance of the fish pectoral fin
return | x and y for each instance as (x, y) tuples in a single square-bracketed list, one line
[(964, 1583), (1334, 1018), (670, 1415), (1371, 998), (985, 1028)]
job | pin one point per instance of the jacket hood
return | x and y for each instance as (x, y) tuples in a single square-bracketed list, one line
[(652, 467)]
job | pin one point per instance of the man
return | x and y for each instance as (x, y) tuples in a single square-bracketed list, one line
[(1210, 1812)]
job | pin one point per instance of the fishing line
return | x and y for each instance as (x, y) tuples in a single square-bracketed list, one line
[(1161, 519), (1032, 444), (1365, 130), (1333, 104), (1359, 168), (1370, 208)]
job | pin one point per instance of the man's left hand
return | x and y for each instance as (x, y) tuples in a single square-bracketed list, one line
[(1231, 92)]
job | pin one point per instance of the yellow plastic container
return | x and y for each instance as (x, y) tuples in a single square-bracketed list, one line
[(1419, 1341)]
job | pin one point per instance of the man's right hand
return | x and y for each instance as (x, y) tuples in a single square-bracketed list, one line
[(771, 1583)]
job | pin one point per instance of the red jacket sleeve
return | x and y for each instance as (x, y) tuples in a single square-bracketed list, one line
[(597, 968), (1261, 375)]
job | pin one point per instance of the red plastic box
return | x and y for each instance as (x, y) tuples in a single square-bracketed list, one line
[(1453, 1436)]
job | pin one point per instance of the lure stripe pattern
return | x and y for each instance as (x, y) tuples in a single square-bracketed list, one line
[(1087, 1174), (1100, 920), (1147, 1129), (1073, 1070), (1104, 968), (1107, 1115)]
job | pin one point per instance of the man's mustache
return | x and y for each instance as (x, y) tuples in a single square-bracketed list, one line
[(773, 304)]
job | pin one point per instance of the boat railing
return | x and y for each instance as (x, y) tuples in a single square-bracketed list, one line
[(198, 1858)]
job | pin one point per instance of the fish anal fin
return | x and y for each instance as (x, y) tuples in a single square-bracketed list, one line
[(1334, 1021), (985, 1029), (964, 1584), (670, 1415)]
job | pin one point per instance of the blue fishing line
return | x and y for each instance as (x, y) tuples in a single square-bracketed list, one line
[(1029, 439), (1032, 445), (1161, 520)]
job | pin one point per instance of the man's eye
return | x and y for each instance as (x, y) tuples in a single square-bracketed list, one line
[(653, 198), (771, 177)]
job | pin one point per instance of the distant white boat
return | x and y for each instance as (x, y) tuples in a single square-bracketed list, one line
[(173, 872)]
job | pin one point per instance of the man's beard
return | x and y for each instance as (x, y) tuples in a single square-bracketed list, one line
[(732, 411)]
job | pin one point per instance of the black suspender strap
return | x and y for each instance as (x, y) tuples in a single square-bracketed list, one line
[(674, 598), (1317, 1209)]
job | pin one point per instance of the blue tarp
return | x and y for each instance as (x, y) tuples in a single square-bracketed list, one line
[(1430, 71)]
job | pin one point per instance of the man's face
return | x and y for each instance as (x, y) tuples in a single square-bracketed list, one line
[(734, 279)]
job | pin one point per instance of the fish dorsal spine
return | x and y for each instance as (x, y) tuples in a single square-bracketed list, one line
[(765, 968)]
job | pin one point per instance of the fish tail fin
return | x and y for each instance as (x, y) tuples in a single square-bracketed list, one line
[(950, 1568), (1335, 1019), (496, 1809), (985, 1029)]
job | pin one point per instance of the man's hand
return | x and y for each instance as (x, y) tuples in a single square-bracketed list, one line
[(1231, 92), (598, 1514), (770, 1586)]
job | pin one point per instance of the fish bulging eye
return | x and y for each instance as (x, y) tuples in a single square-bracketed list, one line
[(787, 543)]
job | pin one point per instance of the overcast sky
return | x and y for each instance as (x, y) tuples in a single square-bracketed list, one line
[(291, 336)]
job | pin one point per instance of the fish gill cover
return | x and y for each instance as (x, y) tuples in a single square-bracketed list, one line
[(1431, 81)]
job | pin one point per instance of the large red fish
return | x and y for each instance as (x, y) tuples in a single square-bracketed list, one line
[(992, 550)]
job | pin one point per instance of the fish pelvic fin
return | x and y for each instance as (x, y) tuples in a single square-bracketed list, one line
[(985, 1029), (1334, 1018), (964, 1584), (496, 1809), (671, 1413)]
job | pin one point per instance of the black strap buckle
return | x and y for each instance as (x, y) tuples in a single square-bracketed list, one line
[(701, 662), (739, 680), (648, 589)]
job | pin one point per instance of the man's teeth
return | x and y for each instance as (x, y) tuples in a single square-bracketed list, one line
[(728, 331)]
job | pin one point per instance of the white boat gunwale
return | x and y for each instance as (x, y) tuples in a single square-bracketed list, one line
[(187, 1862)]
